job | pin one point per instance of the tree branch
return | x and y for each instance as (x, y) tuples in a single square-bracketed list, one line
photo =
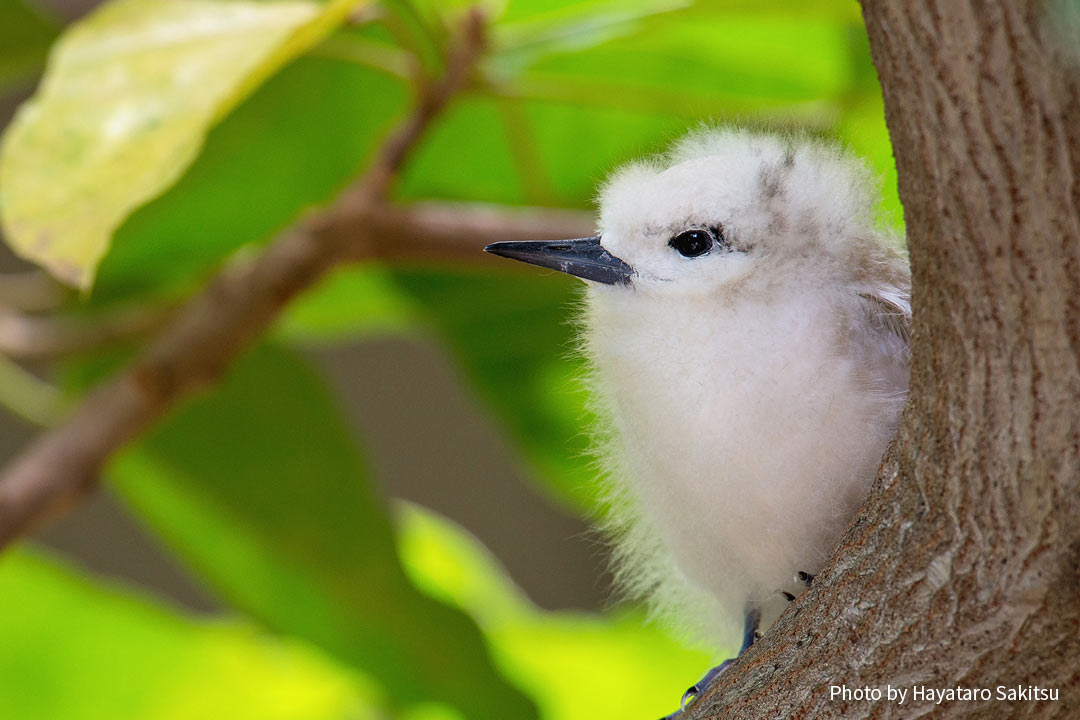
[(421, 232), (215, 327), (443, 231)]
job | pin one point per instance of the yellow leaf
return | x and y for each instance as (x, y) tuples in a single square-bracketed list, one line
[(127, 99)]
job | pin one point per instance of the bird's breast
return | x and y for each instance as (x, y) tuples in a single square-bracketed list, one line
[(745, 433)]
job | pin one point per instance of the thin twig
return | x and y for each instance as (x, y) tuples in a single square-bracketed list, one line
[(432, 99), (380, 56), (31, 291), (28, 396), (46, 337), (210, 331)]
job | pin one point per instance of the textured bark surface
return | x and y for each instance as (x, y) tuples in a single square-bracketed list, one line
[(963, 568)]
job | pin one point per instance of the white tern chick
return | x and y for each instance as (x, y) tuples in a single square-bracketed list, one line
[(747, 323)]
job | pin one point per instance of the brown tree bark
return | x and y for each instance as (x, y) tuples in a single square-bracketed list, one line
[(963, 567)]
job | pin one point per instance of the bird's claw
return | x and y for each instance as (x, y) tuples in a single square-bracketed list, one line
[(803, 578), (698, 689), (750, 634)]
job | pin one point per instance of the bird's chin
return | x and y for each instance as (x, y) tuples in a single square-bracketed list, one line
[(617, 288)]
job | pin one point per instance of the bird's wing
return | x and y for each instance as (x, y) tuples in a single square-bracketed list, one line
[(880, 343), (888, 311)]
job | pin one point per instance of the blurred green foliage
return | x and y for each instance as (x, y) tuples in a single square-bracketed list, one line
[(343, 608), (284, 525), (77, 648), (25, 36)]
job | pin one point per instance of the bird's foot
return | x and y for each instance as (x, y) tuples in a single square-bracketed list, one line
[(695, 691)]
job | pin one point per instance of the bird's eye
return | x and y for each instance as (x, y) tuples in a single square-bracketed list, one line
[(692, 243)]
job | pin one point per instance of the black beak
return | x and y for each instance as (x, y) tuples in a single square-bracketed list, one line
[(584, 257)]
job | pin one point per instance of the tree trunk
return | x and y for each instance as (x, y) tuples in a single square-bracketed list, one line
[(963, 567)]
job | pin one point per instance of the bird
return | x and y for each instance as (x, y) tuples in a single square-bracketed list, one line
[(746, 325)]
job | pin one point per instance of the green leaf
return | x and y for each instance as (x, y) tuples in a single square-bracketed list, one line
[(597, 87), (684, 62), (349, 303), (79, 649), (25, 36), (128, 96), (259, 488), (562, 657), (293, 145)]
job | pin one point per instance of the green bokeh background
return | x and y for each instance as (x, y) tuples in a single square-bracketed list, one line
[(343, 603)]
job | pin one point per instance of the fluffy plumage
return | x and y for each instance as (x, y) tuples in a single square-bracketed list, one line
[(750, 392)]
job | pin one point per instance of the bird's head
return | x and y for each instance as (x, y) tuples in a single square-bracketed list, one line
[(717, 208)]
